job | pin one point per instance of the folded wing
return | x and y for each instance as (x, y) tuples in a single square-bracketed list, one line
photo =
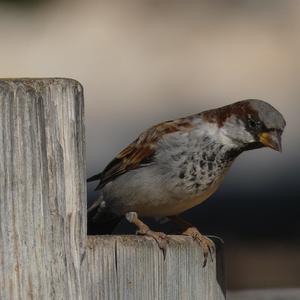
[(140, 152)]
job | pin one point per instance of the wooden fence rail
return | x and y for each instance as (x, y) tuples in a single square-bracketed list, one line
[(44, 250)]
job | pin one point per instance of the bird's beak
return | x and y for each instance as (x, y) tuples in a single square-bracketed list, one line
[(271, 139)]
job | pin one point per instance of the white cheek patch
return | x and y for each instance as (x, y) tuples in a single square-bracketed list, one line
[(234, 133)]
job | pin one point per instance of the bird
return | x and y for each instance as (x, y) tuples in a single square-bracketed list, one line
[(178, 164)]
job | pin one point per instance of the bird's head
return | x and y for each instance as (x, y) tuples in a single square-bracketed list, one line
[(249, 124)]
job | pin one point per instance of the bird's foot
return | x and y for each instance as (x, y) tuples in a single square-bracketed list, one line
[(207, 244), (143, 229), (160, 237)]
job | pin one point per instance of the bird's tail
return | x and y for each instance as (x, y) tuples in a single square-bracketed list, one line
[(95, 177), (100, 219)]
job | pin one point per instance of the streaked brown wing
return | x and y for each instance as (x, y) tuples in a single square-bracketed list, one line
[(140, 152)]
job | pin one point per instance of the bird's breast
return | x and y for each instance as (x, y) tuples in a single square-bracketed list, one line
[(175, 201), (185, 172)]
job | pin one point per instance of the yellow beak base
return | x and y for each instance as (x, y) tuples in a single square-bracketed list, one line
[(271, 139)]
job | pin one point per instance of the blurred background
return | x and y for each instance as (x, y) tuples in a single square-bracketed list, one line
[(145, 61)]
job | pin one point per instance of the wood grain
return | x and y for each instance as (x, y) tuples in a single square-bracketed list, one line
[(44, 250), (42, 189), (133, 267)]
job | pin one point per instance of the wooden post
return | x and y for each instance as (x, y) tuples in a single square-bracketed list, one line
[(133, 267), (42, 189), (43, 253)]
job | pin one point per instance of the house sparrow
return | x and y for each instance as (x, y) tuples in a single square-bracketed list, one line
[(178, 164)]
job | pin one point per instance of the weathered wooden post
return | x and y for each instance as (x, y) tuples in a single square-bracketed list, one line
[(44, 250), (133, 267), (42, 189)]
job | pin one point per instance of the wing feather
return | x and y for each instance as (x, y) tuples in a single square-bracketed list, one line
[(140, 152)]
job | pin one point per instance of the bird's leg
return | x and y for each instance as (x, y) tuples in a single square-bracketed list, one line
[(143, 229), (190, 230)]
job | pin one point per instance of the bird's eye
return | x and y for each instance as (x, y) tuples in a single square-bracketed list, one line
[(254, 124)]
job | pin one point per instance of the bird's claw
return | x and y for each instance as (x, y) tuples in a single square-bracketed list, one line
[(208, 248), (159, 237), (207, 244)]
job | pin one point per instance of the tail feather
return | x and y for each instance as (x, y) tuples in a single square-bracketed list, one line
[(100, 219), (95, 177), (94, 205)]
